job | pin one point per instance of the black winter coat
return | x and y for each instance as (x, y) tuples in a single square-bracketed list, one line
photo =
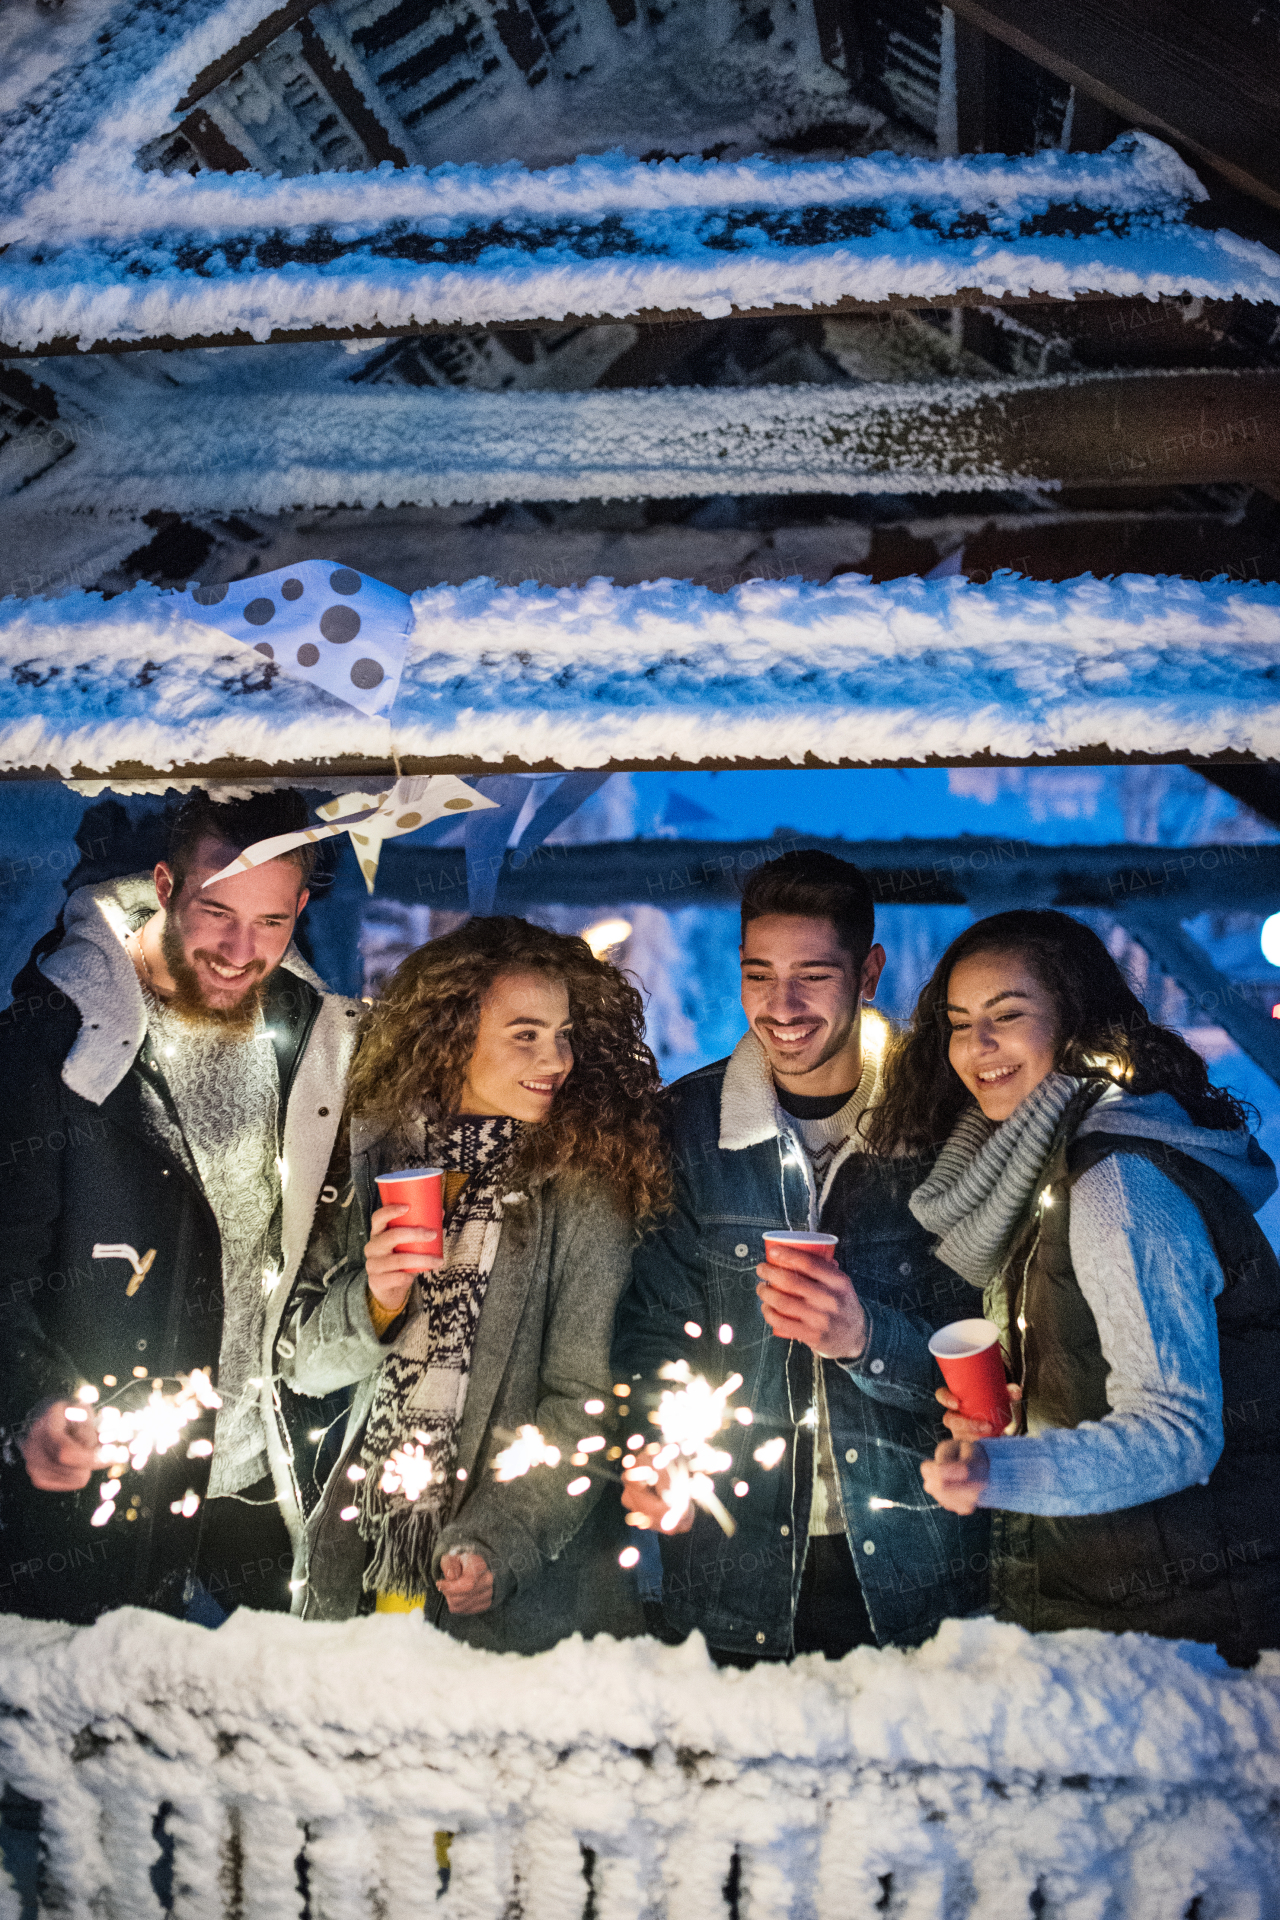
[(73, 1174)]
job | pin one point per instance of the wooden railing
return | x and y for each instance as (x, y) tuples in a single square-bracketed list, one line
[(272, 1770)]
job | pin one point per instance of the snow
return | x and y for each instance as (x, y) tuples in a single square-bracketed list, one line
[(1129, 1775), (147, 255), (665, 672), (260, 432)]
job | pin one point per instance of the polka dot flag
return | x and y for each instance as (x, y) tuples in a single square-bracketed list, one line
[(319, 622)]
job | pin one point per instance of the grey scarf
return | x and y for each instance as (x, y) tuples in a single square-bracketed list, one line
[(986, 1176), (421, 1391)]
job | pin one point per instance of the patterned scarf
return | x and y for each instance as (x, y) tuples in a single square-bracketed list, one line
[(983, 1181), (422, 1388)]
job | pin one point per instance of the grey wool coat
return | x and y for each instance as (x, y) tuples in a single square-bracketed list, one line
[(541, 1351)]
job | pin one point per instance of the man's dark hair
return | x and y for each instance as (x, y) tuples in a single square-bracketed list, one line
[(816, 886), (238, 824)]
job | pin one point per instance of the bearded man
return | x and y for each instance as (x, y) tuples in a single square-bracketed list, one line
[(174, 1073)]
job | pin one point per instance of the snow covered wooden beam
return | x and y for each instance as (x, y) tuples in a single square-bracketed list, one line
[(774, 673), (987, 1773), (146, 257), (269, 442), (1205, 77)]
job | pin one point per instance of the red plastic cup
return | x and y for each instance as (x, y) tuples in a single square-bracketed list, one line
[(822, 1244), (421, 1189), (968, 1352)]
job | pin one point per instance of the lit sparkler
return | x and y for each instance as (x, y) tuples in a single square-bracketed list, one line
[(688, 1420), (129, 1436), (408, 1471), (527, 1450)]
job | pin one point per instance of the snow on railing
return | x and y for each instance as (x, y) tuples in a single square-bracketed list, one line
[(236, 1774), (773, 671), (146, 256)]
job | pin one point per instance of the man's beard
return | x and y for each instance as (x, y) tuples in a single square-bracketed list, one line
[(188, 1001)]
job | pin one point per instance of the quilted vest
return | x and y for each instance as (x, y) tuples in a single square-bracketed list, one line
[(1202, 1564)]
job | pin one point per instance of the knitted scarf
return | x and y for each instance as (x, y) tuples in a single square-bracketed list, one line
[(422, 1388), (982, 1184)]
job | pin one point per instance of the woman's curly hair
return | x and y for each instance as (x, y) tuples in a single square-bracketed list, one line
[(1103, 1032), (417, 1041)]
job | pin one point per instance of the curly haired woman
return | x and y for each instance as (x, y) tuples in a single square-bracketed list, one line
[(515, 1060), (1102, 1192)]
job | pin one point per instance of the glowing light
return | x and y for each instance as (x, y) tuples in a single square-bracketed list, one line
[(355, 1473), (407, 1471), (317, 1433), (743, 1416), (688, 1419), (1270, 939), (592, 1444), (1046, 1197), (693, 1330), (527, 1450), (348, 1513), (134, 1434), (199, 1449), (635, 1441), (140, 1373), (623, 1393), (628, 1459), (188, 1506), (593, 1406), (462, 1473), (605, 935), (89, 1396), (102, 1514), (878, 1506), (771, 1452), (740, 1487), (578, 1459), (875, 1033), (725, 1335), (76, 1414), (579, 1486), (629, 1557), (108, 1380)]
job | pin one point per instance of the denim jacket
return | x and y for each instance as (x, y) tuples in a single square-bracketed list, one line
[(740, 1170)]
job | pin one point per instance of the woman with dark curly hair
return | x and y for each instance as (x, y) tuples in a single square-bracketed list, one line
[(1102, 1193), (514, 1060)]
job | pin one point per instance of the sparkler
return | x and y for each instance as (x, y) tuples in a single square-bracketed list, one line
[(408, 1470), (528, 1449), (128, 1436), (688, 1420)]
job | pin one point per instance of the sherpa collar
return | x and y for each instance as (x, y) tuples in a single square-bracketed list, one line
[(92, 968), (748, 1103)]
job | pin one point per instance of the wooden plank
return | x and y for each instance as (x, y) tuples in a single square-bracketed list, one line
[(255, 42), (348, 99), (206, 138), (1202, 76), (1120, 315)]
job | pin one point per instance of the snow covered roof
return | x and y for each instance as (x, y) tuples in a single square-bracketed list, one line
[(774, 673), (146, 256)]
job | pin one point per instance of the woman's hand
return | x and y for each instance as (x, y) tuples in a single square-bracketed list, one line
[(962, 1428), (466, 1579), (956, 1474), (390, 1274)]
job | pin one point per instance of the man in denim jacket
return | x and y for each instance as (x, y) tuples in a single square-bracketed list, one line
[(835, 1546)]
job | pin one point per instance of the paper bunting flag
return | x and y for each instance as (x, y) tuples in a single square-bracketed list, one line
[(319, 622), (370, 818)]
